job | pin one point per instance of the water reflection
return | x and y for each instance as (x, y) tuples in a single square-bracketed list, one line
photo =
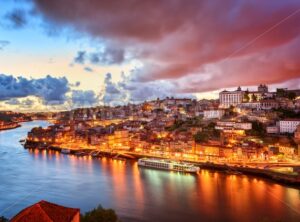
[(137, 194)]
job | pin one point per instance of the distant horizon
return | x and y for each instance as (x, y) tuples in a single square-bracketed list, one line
[(61, 108)]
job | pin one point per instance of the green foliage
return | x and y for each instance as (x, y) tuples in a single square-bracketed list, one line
[(181, 125), (201, 137), (5, 118), (246, 97), (285, 93), (100, 214), (257, 129), (254, 98), (3, 219), (281, 92), (291, 95), (287, 113), (230, 112), (177, 124)]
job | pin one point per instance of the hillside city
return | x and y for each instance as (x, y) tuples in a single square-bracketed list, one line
[(242, 125)]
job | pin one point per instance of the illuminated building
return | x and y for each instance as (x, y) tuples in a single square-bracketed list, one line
[(288, 125)]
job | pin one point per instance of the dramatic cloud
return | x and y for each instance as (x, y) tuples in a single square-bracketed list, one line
[(80, 58), (82, 98), (17, 18), (50, 89), (127, 91), (27, 103), (3, 44), (185, 40), (110, 87), (105, 56), (108, 56)]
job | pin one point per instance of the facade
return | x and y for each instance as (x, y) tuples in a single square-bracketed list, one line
[(262, 88), (247, 99), (297, 133), (233, 98), (229, 125), (288, 125), (267, 104), (213, 114), (272, 129)]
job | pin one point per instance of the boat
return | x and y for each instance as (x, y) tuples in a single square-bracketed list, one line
[(22, 142), (168, 165), (119, 158), (65, 151), (233, 172), (80, 153)]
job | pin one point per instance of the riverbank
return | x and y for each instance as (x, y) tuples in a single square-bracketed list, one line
[(9, 127), (282, 178)]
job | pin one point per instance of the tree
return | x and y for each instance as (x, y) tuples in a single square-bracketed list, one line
[(254, 98), (100, 214), (246, 96), (281, 92), (3, 219), (201, 137), (291, 95), (257, 129)]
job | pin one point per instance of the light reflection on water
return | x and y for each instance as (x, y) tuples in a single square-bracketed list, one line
[(137, 194)]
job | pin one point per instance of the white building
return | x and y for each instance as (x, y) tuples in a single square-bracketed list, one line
[(272, 129), (228, 125), (288, 125), (213, 114), (232, 98)]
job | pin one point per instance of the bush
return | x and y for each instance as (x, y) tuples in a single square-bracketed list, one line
[(3, 219), (201, 137), (100, 214)]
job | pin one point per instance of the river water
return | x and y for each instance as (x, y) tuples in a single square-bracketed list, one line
[(136, 194)]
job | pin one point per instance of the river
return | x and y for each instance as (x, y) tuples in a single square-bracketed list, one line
[(136, 194)]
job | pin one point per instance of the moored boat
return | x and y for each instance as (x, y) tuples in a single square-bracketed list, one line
[(168, 165), (65, 151)]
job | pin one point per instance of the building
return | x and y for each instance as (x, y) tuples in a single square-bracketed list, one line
[(272, 129), (229, 125), (297, 133), (213, 114), (247, 99), (297, 138), (262, 88), (232, 98), (288, 125), (44, 211), (267, 104)]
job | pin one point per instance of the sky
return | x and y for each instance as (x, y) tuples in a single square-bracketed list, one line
[(63, 54)]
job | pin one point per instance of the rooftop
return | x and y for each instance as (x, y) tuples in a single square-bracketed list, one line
[(44, 211)]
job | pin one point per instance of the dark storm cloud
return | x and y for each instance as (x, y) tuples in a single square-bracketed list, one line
[(48, 88), (128, 91), (108, 56), (110, 87), (17, 18), (84, 98), (27, 103), (178, 39)]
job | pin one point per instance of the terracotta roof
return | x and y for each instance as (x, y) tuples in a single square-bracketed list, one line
[(44, 211)]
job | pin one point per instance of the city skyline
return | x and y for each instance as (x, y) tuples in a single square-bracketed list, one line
[(51, 59), (149, 110)]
